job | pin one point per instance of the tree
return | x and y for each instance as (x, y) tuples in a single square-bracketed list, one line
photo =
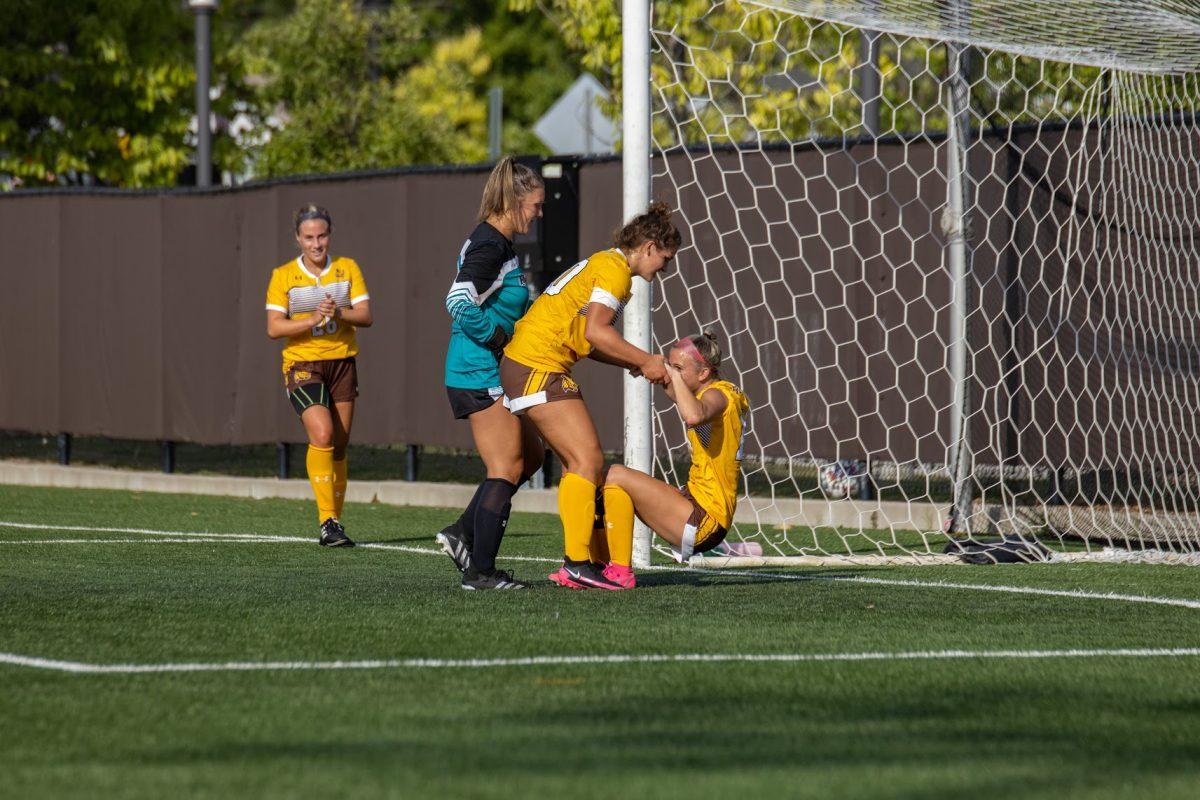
[(745, 71), (94, 91), (528, 57), (341, 87)]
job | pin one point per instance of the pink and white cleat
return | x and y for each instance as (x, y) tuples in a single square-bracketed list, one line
[(563, 579), (622, 575)]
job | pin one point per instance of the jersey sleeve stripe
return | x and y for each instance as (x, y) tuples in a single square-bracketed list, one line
[(463, 290), (272, 307), (604, 298), (360, 298)]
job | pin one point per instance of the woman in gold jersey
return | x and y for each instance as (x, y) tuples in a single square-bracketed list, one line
[(573, 319), (696, 518), (316, 302)]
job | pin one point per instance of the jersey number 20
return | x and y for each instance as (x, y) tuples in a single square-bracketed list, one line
[(558, 283), (326, 329)]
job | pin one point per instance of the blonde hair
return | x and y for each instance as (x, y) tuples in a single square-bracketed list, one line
[(311, 211), (706, 345), (508, 183), (652, 225)]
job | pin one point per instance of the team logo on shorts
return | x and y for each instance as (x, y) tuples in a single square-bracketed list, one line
[(300, 375), (569, 385)]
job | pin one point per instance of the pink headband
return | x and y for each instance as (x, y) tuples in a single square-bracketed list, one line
[(688, 347)]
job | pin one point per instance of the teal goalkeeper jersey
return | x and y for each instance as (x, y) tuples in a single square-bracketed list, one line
[(485, 301)]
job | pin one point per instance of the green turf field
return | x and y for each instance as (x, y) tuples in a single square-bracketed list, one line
[(693, 719)]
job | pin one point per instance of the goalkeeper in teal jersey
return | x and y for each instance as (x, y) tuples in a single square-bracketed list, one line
[(485, 301)]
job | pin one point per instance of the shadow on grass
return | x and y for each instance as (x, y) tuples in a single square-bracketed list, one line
[(929, 740)]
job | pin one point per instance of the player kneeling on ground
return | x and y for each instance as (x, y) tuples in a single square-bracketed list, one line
[(696, 518)]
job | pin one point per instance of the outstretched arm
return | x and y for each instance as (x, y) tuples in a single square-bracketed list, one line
[(611, 347)]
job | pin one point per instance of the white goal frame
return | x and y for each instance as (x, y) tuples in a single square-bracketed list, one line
[(954, 222)]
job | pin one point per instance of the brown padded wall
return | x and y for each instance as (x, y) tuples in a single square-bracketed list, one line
[(111, 316), (29, 323), (141, 316), (200, 302)]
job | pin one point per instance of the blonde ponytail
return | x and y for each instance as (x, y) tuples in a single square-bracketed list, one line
[(505, 187)]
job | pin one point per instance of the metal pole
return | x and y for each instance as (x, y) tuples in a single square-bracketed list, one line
[(635, 173), (203, 10), (956, 226), (283, 458), (495, 122), (869, 80), (588, 103), (412, 462)]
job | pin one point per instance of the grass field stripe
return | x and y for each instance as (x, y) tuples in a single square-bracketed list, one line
[(555, 661), (1077, 594)]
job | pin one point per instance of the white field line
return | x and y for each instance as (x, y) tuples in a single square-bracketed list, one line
[(1179, 602), (1078, 594), (79, 667), (138, 541)]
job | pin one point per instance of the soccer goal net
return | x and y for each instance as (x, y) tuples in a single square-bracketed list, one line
[(950, 248)]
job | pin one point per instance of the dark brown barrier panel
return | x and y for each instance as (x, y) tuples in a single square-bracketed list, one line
[(140, 315), (112, 318), (29, 324)]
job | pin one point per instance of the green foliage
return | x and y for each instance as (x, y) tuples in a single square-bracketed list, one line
[(727, 71), (339, 87), (530, 60), (102, 88), (103, 91)]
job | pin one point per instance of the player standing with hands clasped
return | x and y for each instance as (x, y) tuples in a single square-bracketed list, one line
[(574, 319), (485, 301), (317, 302)]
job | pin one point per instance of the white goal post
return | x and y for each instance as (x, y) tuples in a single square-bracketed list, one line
[(951, 249)]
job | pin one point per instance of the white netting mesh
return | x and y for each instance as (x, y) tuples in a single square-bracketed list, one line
[(821, 254), (1133, 35)]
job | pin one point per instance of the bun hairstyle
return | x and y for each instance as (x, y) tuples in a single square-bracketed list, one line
[(706, 345), (311, 211), (652, 225), (505, 187)]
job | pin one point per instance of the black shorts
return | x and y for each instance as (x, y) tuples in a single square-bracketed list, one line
[(465, 402)]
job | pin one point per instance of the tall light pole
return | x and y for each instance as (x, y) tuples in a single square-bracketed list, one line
[(203, 9)]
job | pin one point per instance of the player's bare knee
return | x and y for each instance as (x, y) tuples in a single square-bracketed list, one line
[(510, 471), (588, 467), (615, 474)]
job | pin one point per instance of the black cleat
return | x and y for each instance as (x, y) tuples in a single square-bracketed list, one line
[(455, 544), (334, 535), (474, 580)]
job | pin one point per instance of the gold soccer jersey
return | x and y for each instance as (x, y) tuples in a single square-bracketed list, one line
[(295, 291), (717, 455), (550, 337)]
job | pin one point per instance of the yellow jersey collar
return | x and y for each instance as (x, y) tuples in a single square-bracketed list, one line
[(622, 256), (305, 270)]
